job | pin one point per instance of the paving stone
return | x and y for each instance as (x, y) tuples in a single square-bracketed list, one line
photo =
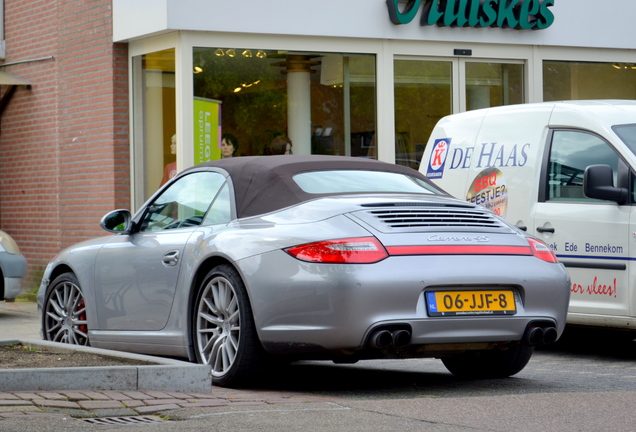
[(178, 395), (51, 395), (157, 408), (34, 414), (23, 409), (17, 402), (27, 396), (157, 394), (74, 395), (203, 396), (152, 402), (133, 403), (116, 395), (55, 403), (100, 404), (8, 396), (96, 395), (227, 391), (135, 395), (198, 403)]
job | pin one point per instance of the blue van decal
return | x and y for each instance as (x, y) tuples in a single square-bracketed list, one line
[(438, 158)]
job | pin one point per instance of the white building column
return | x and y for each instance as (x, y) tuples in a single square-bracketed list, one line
[(298, 70)]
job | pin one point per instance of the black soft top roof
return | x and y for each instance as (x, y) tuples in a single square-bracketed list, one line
[(264, 183)]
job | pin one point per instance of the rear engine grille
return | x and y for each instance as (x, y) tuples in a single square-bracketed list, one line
[(436, 217)]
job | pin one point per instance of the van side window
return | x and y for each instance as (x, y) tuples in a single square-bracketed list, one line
[(571, 152)]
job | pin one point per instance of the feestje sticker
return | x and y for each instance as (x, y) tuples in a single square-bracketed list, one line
[(489, 190), (437, 160)]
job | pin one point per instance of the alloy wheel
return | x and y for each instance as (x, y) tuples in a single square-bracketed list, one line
[(218, 325), (65, 315)]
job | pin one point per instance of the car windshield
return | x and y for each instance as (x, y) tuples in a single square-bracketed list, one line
[(627, 133), (352, 181)]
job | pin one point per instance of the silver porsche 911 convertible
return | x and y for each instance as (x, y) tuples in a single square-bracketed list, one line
[(246, 261)]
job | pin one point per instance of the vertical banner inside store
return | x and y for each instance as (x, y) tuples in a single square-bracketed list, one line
[(207, 130)]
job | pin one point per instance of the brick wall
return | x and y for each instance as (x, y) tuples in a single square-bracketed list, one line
[(64, 150)]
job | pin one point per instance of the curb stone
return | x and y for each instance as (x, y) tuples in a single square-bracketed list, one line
[(156, 374)]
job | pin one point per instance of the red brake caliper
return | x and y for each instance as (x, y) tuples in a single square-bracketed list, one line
[(83, 327)]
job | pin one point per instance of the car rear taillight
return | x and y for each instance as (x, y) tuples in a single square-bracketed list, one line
[(542, 251), (362, 250)]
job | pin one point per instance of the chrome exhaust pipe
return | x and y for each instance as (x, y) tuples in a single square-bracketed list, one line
[(381, 339), (550, 335), (401, 338), (534, 336)]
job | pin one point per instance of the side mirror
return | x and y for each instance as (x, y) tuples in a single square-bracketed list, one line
[(117, 221), (598, 182)]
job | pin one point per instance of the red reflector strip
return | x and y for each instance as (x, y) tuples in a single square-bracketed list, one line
[(459, 250)]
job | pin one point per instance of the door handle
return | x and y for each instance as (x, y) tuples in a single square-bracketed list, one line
[(545, 230), (171, 258)]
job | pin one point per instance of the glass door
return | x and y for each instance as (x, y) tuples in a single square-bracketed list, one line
[(423, 94), (489, 84), (425, 90), (154, 111)]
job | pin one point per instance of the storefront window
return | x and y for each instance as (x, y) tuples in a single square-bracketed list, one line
[(583, 80), (155, 121), (423, 95), (268, 102), (493, 84)]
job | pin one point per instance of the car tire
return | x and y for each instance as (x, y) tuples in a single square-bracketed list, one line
[(224, 331), (489, 364), (64, 317)]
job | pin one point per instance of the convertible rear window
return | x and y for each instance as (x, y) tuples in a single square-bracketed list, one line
[(353, 181)]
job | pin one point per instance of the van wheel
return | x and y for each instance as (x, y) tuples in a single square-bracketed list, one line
[(489, 364)]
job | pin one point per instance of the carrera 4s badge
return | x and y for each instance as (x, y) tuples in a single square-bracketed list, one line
[(441, 238)]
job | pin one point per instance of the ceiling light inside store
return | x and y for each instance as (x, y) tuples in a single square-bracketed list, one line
[(247, 53), (246, 85), (624, 66), (231, 52), (219, 52), (197, 69), (261, 54)]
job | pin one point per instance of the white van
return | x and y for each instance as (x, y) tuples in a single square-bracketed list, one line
[(564, 172)]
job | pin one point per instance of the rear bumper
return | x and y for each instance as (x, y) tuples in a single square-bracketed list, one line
[(309, 307), (13, 270), (12, 288)]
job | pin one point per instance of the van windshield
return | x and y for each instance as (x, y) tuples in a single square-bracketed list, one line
[(627, 133)]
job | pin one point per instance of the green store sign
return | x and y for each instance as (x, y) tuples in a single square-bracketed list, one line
[(516, 14)]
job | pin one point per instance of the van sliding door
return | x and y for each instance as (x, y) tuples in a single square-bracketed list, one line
[(590, 237)]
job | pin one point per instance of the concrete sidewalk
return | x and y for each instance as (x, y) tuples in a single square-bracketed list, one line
[(19, 320)]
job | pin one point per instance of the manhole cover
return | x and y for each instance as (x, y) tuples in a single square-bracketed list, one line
[(132, 420)]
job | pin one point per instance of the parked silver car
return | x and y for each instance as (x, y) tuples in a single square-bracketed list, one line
[(13, 268), (246, 260)]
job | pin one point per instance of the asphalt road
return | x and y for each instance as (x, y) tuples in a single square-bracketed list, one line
[(586, 382)]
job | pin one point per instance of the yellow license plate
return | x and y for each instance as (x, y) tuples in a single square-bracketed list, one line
[(486, 302)]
